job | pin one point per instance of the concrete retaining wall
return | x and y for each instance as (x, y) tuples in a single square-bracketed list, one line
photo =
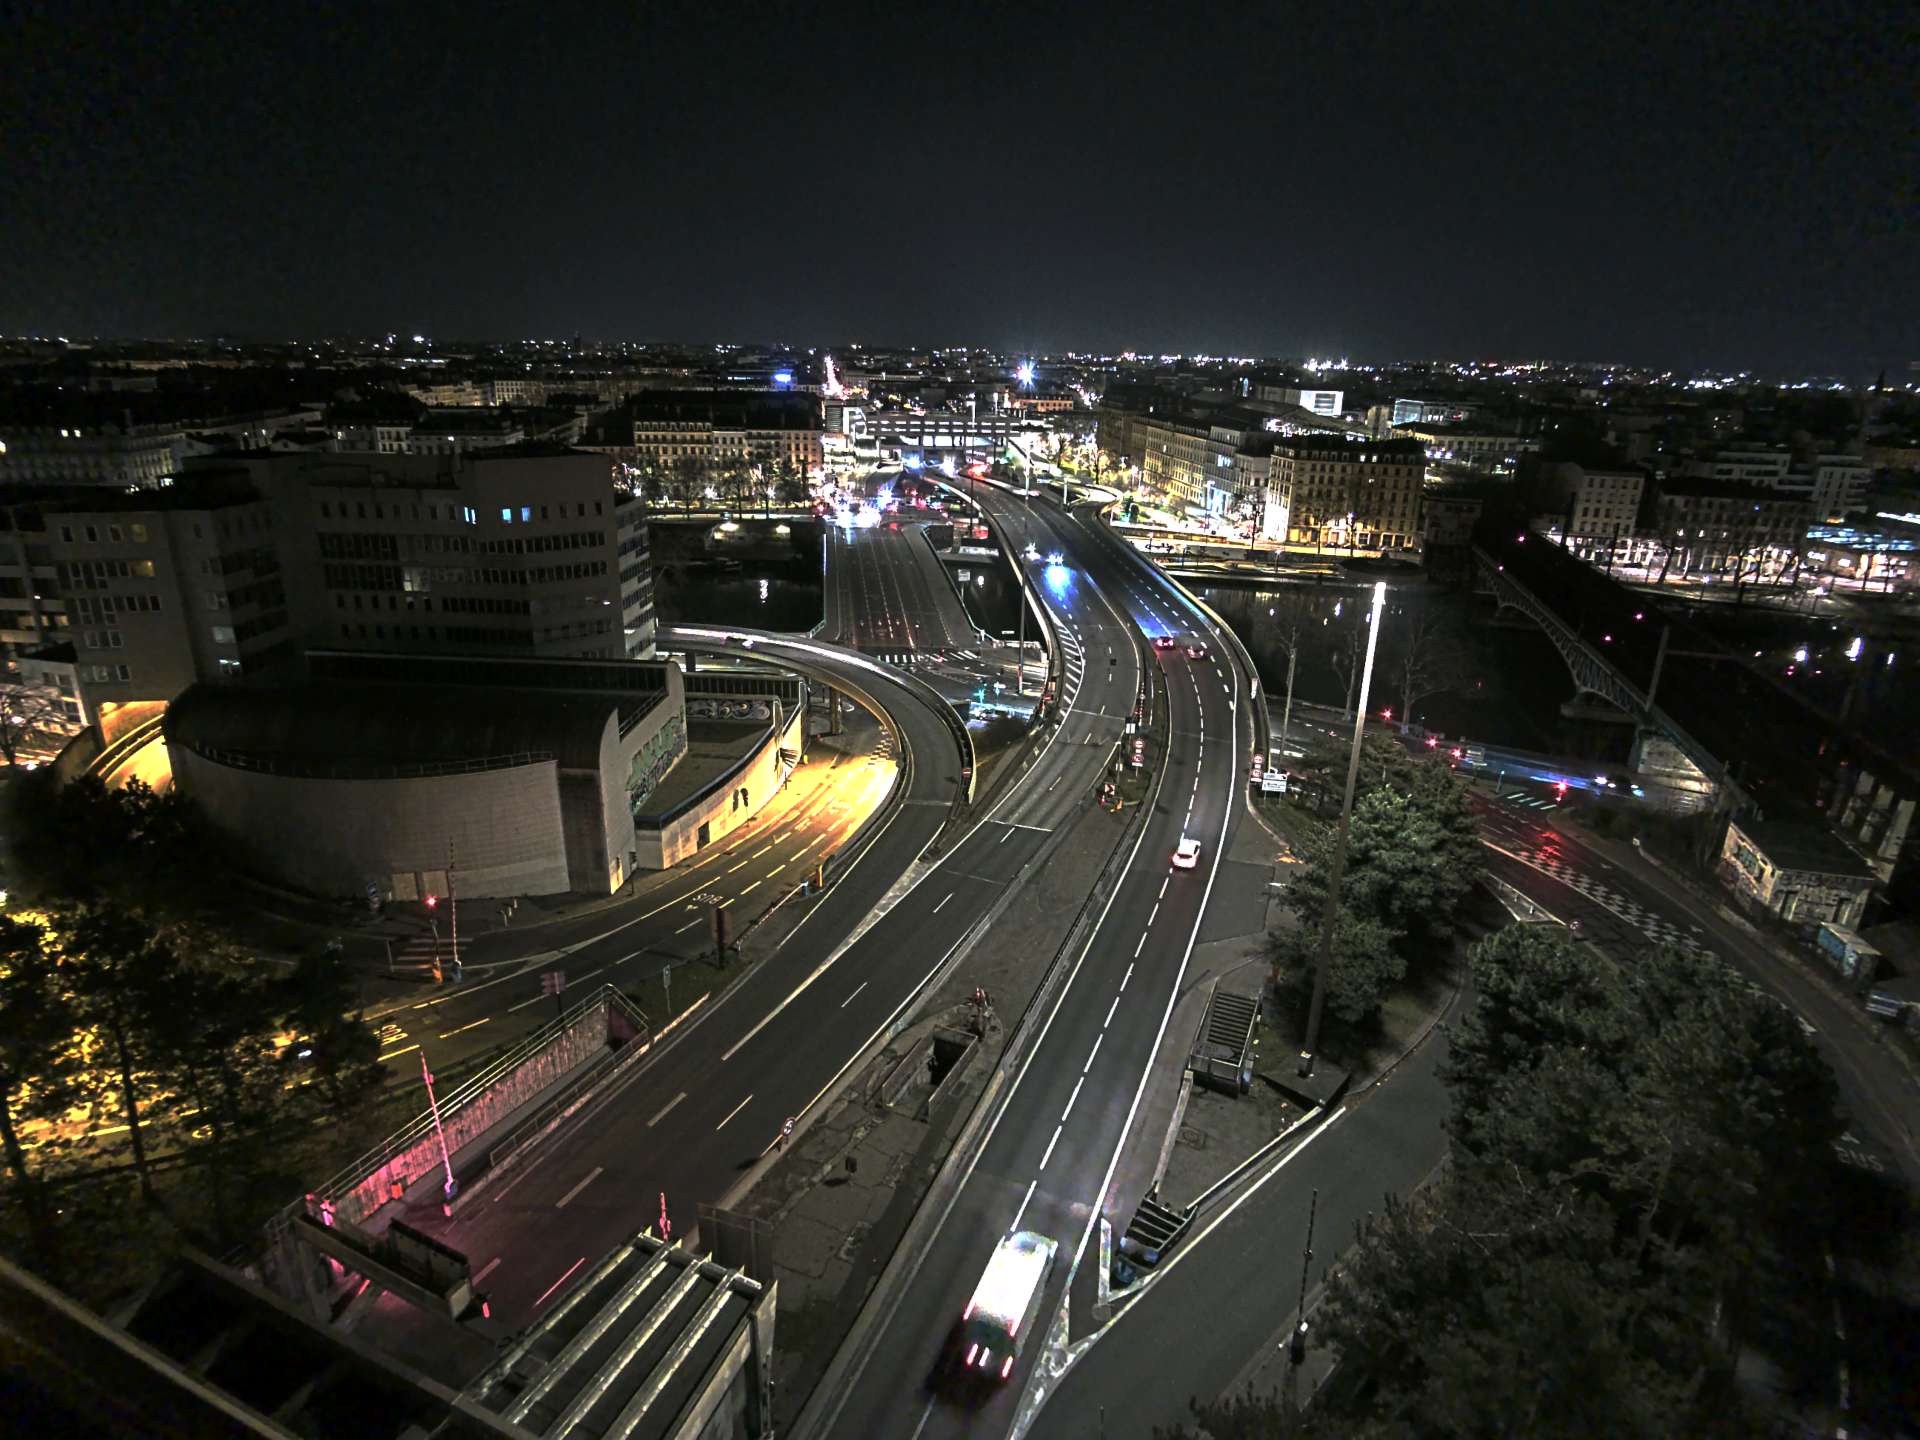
[(587, 1036), (332, 837)]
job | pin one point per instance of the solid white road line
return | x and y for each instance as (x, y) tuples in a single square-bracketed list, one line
[(661, 1113), (1023, 1204), (561, 1281), (937, 909), (731, 1113), (856, 990), (565, 1199)]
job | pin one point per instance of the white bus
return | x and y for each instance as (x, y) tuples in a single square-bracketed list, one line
[(1006, 1302)]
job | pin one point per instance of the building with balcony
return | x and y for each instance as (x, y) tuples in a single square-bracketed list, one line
[(713, 431), (1594, 509), (1713, 525), (1349, 494), (1471, 444)]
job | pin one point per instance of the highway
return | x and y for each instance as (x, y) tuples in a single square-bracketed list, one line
[(887, 592), (1051, 1154), (664, 923), (703, 1110), (1390, 1139)]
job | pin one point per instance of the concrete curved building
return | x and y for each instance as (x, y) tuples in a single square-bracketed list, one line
[(338, 787)]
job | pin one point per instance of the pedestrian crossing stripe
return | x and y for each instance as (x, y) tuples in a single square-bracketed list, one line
[(1661, 932), (1535, 801)]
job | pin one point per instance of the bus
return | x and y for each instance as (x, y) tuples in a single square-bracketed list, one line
[(1006, 1302)]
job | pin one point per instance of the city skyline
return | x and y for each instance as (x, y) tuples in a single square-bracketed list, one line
[(1698, 190)]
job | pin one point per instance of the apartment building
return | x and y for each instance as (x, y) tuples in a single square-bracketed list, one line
[(151, 589), (1710, 525), (718, 429), (1349, 494), (1472, 444), (1591, 507), (523, 550), (1831, 484)]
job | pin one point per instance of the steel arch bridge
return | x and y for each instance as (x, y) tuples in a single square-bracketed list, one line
[(1594, 675)]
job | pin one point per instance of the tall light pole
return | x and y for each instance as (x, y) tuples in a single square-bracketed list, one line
[(1323, 960)]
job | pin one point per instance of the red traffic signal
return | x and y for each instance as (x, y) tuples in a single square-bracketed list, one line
[(432, 900)]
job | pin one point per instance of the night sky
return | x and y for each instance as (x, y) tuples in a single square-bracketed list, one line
[(1727, 185)]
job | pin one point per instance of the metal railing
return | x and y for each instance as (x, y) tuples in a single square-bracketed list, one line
[(469, 1090)]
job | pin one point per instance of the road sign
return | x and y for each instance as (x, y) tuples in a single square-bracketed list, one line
[(1259, 767), (1139, 751)]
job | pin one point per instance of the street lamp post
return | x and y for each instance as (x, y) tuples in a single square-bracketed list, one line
[(1324, 958)]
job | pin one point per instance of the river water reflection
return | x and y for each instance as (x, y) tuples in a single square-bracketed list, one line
[(1499, 684)]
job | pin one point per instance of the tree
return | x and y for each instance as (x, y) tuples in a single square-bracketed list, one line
[(1413, 852), (122, 976), (1427, 660), (1349, 658), (1364, 962), (42, 1075), (320, 1009), (145, 850), (1290, 616), (1625, 1136), (33, 719)]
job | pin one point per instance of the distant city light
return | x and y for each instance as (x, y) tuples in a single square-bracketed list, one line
[(1023, 372), (783, 377)]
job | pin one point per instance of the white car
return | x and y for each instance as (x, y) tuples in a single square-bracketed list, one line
[(1186, 855)]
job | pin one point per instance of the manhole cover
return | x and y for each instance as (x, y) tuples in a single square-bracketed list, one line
[(1196, 1139)]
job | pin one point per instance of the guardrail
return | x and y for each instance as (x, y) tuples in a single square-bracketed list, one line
[(410, 1134), (1262, 726)]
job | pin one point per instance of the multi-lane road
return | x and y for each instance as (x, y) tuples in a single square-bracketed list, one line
[(886, 591), (1051, 1159), (705, 1108)]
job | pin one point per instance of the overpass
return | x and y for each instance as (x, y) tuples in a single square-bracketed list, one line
[(1616, 655)]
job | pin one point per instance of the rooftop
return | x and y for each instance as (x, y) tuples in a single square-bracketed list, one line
[(365, 731), (1803, 845)]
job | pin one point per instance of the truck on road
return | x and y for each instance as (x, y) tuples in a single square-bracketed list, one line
[(1006, 1302)]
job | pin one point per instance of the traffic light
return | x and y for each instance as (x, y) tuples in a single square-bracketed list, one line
[(432, 901)]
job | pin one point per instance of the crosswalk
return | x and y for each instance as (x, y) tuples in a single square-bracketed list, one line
[(417, 952), (1661, 932), (1521, 797)]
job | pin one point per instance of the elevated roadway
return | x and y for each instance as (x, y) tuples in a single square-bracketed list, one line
[(1054, 1155), (700, 1114)]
